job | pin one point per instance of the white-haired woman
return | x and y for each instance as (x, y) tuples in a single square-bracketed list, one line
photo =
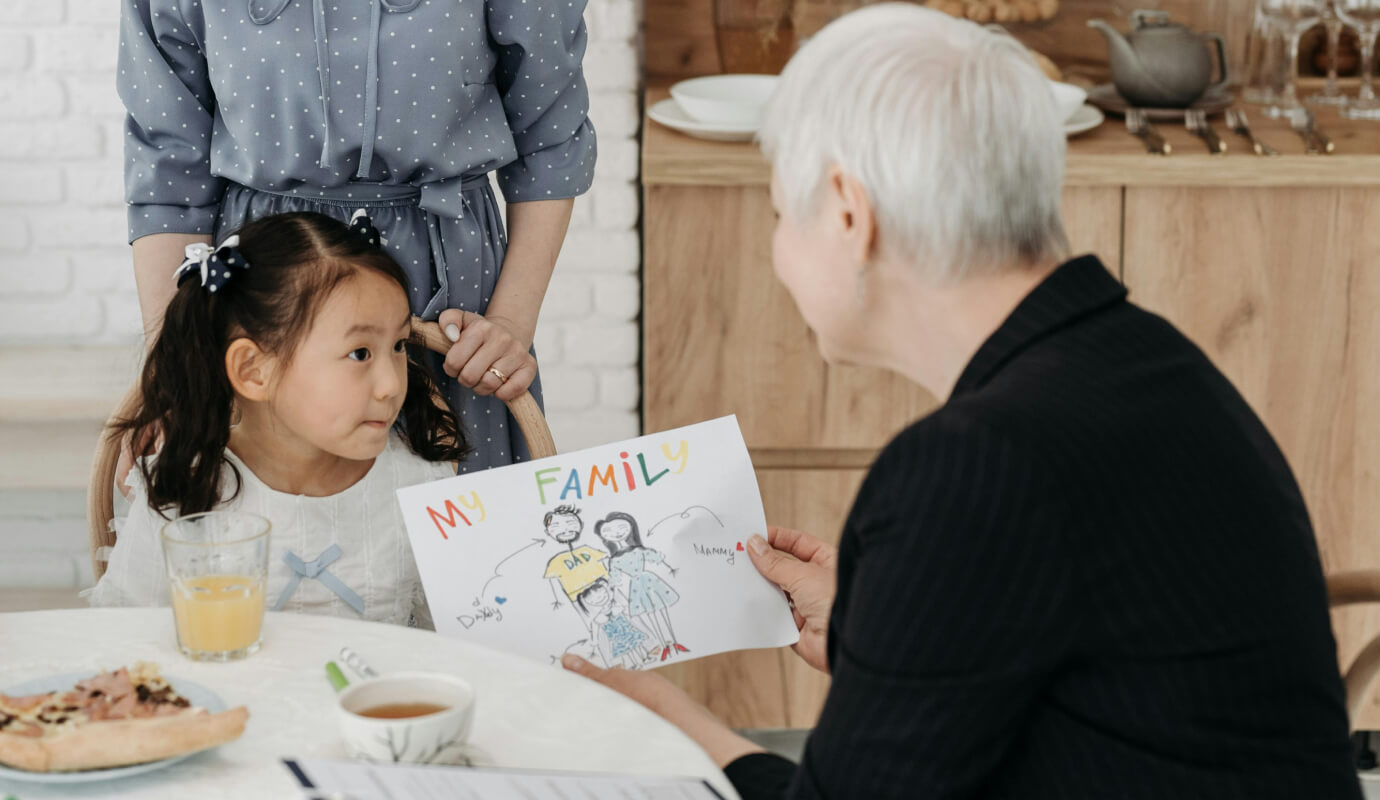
[(1089, 573)]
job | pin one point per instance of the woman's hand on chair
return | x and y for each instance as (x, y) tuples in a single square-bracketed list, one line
[(490, 355), (806, 569)]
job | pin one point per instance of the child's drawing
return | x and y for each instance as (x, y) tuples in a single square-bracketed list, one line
[(649, 596), (640, 561)]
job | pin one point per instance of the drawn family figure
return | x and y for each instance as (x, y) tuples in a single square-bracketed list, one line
[(571, 571), (616, 639), (649, 596)]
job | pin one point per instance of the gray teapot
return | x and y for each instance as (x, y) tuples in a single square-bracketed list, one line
[(1162, 64)]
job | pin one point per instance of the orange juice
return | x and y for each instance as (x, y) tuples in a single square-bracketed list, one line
[(218, 613)]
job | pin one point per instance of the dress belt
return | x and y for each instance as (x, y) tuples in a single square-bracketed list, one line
[(368, 194)]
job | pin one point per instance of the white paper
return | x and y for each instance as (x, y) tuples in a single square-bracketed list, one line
[(348, 780), (498, 571)]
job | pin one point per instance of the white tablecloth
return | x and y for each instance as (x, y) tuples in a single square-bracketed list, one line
[(527, 715)]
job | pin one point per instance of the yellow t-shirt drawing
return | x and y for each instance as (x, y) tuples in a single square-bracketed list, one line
[(577, 569)]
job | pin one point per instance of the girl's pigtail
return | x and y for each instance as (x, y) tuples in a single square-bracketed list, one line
[(433, 431), (186, 404)]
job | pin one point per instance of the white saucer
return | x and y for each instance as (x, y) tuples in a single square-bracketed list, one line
[(1084, 120), (668, 113)]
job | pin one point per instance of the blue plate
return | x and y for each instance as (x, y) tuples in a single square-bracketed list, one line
[(196, 694)]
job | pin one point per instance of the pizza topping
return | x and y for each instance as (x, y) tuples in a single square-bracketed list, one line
[(112, 684), (24, 703), (137, 693)]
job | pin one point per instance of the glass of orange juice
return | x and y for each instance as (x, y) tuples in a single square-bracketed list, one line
[(217, 571)]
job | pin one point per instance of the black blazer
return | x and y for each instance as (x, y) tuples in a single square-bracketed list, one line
[(1089, 574)]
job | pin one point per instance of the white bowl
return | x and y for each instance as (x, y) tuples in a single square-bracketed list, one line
[(437, 738), (1067, 98), (726, 99)]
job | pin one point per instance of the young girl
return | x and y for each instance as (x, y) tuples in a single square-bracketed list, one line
[(617, 640), (281, 384)]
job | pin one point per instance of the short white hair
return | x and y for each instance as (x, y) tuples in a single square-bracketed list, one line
[(950, 127)]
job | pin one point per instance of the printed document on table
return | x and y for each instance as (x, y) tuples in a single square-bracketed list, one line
[(322, 778)]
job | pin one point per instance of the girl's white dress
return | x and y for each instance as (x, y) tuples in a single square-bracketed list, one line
[(364, 521)]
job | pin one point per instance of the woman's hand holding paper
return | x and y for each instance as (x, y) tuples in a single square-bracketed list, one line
[(806, 570)]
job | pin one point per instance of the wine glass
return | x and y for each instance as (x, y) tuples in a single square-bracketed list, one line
[(1331, 95), (1294, 17), (1364, 16), (1264, 65)]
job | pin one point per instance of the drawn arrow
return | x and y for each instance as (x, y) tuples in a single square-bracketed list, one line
[(554, 659), (686, 515), (482, 592)]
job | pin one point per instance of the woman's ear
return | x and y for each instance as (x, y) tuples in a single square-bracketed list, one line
[(250, 370), (857, 221)]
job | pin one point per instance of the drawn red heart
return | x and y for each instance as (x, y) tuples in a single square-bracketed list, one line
[(740, 547)]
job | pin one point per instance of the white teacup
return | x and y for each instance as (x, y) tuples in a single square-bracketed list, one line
[(1067, 99), (433, 738)]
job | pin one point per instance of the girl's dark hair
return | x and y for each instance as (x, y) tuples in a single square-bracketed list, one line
[(633, 541), (295, 262), (598, 583)]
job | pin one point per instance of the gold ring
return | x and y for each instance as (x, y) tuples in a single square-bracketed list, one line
[(501, 377)]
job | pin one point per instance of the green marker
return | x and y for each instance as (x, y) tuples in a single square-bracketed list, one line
[(336, 677)]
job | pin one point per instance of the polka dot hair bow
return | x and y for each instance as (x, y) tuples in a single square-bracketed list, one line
[(212, 265), (362, 225)]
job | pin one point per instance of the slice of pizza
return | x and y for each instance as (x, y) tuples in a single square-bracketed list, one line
[(129, 716)]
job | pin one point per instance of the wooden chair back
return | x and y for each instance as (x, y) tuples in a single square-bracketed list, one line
[(1354, 588), (100, 498)]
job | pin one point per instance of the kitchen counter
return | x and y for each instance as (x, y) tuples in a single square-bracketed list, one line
[(1105, 156)]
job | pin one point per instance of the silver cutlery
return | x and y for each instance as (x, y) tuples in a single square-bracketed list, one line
[(1305, 125), (1139, 126), (1236, 120), (1323, 141), (1197, 123)]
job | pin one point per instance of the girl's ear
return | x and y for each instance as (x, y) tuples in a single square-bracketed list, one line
[(250, 370)]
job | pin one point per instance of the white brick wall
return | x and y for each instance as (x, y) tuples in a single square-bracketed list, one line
[(65, 274)]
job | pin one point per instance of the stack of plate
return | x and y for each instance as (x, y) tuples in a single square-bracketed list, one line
[(722, 108), (729, 108)]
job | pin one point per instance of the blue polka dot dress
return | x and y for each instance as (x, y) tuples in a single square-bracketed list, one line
[(242, 108)]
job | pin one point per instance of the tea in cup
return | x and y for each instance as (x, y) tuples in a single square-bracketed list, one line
[(408, 717)]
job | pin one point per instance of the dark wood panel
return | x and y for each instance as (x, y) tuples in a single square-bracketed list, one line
[(680, 33)]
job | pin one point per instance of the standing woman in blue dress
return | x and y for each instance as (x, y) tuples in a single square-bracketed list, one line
[(243, 108)]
